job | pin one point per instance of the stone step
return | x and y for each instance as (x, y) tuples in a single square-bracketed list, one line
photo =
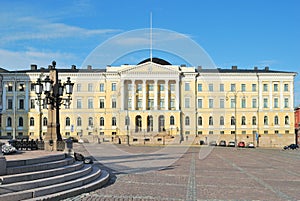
[(25, 185), (29, 176), (31, 161), (96, 184), (39, 166), (78, 183)]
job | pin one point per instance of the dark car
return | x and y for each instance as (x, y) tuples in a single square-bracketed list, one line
[(222, 143), (231, 144), (291, 146), (241, 144)]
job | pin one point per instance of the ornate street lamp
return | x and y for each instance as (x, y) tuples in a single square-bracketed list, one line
[(53, 91)]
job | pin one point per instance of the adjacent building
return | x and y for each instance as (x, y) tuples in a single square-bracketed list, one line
[(157, 102)]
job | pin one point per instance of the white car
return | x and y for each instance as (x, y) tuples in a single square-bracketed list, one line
[(250, 145)]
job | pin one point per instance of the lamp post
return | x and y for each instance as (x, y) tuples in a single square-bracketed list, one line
[(53, 90), (127, 127), (235, 93)]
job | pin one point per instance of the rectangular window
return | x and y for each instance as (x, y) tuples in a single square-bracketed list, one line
[(199, 87), (266, 132), (211, 87), (78, 87), (101, 103), (129, 87), (287, 132), (276, 131), (221, 87), (113, 87), (140, 103), (276, 103), (32, 103), (10, 87), (265, 87), (161, 87), (129, 103), (151, 103), (275, 87), (211, 132), (32, 87), (162, 103), (113, 103), (232, 103), (172, 87), (139, 87), (79, 103), (232, 87), (101, 87), (90, 104), (211, 103), (253, 87), (243, 103), (187, 86), (244, 132), (21, 87), (151, 87), (222, 103), (222, 132), (243, 87), (199, 103), (254, 103), (286, 87), (286, 102), (9, 104), (187, 102), (265, 103), (21, 104), (172, 103)]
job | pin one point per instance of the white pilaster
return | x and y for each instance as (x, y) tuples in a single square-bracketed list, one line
[(260, 95), (4, 88), (122, 94), (167, 95), (155, 94), (144, 95), (281, 100), (133, 95), (177, 85), (291, 101), (270, 95), (27, 88)]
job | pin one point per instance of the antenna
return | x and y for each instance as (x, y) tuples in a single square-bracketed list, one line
[(150, 36)]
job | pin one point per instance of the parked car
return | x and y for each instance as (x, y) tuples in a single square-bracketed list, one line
[(241, 144), (212, 143), (231, 144), (250, 145), (222, 143), (291, 146)]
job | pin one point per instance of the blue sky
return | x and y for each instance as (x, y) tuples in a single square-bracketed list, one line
[(245, 33)]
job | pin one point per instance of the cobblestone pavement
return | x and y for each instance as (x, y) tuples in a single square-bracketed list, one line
[(223, 174)]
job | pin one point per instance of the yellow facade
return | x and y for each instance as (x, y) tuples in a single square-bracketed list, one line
[(162, 102)]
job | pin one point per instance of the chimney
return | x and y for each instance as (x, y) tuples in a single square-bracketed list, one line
[(267, 68), (234, 67), (89, 67), (33, 67), (255, 68)]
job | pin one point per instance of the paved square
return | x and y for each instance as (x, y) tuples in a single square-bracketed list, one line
[(194, 173)]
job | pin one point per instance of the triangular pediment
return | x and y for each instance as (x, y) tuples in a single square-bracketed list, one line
[(150, 67)]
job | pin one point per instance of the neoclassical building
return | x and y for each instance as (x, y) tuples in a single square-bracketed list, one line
[(157, 102)]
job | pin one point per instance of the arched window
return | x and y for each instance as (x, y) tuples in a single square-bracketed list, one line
[(232, 121), (222, 121), (91, 122), (286, 120), (114, 121), (243, 120), (276, 120), (8, 123), (211, 121), (31, 121), (172, 120), (21, 121), (187, 121), (199, 121), (254, 120), (101, 121), (266, 121), (68, 121), (45, 121), (79, 122)]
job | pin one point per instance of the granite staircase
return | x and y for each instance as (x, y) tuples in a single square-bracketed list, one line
[(50, 177)]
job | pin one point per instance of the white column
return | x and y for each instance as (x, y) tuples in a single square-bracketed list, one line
[(281, 99), (167, 95), (144, 95), (122, 94), (155, 94), (133, 95), (291, 101), (4, 96), (270, 95), (27, 88), (177, 85)]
